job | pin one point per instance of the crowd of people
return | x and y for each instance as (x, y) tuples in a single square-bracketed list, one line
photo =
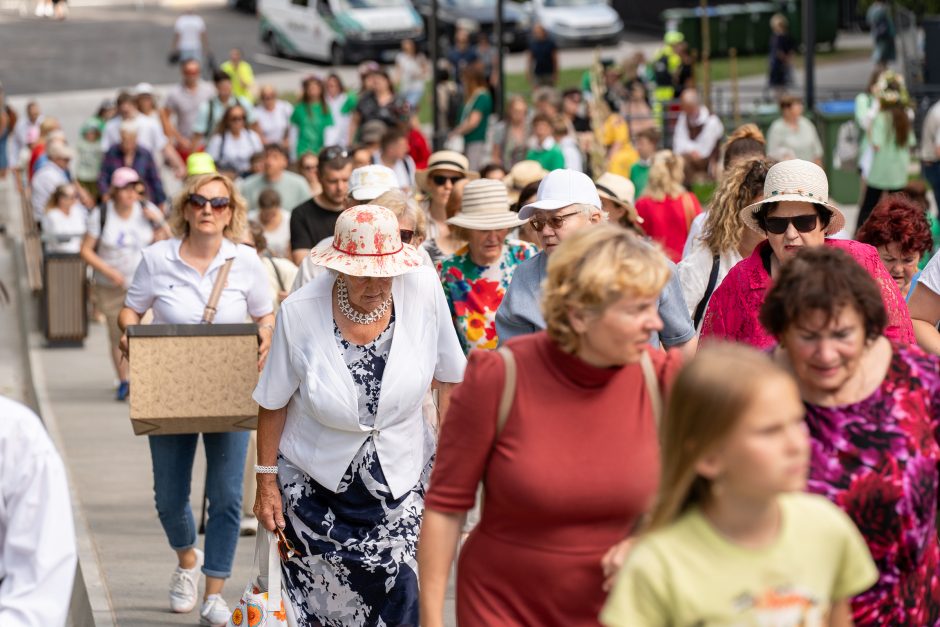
[(607, 400)]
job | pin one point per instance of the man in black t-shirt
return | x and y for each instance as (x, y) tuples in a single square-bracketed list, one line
[(315, 219)]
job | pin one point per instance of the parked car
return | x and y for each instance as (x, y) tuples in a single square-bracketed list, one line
[(338, 31), (482, 13), (578, 22)]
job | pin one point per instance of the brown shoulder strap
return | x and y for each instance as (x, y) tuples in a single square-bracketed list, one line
[(652, 387), (208, 315), (509, 390)]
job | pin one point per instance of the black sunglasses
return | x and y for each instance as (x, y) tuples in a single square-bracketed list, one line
[(803, 223), (219, 203), (406, 236), (441, 180)]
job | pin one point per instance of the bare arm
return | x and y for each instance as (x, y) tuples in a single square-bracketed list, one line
[(841, 614), (268, 506), (297, 255), (354, 120), (473, 120), (444, 391), (90, 257), (437, 547), (688, 349), (265, 332), (127, 318), (925, 314)]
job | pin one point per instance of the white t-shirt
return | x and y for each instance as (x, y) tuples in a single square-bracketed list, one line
[(234, 152), (190, 29), (63, 233), (278, 239), (274, 124), (123, 240), (930, 275), (37, 555), (44, 182), (695, 269), (178, 293), (150, 134), (411, 71)]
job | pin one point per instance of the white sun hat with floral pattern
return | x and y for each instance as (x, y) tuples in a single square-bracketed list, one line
[(799, 181), (367, 242)]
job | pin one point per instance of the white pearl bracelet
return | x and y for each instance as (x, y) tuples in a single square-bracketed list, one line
[(266, 470)]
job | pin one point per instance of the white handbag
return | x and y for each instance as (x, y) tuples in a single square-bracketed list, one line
[(264, 602)]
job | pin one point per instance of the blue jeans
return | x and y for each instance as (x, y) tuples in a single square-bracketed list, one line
[(172, 457), (931, 172)]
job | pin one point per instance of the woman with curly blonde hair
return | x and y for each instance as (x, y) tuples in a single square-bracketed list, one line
[(581, 428), (667, 207), (174, 279), (727, 240)]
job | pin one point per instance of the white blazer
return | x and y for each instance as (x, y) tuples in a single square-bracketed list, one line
[(305, 371)]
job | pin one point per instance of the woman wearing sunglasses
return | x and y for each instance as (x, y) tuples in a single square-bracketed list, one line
[(794, 214), (233, 145), (477, 276), (445, 170), (174, 279)]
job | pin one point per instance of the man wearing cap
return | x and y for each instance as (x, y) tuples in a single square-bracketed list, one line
[(477, 276), (568, 201), (365, 185), (315, 219), (127, 153), (291, 187)]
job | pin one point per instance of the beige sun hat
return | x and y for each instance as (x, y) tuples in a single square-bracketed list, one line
[(799, 181), (367, 242), (521, 174), (444, 160), (620, 190), (485, 207)]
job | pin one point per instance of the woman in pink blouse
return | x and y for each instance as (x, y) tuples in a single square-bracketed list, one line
[(795, 213)]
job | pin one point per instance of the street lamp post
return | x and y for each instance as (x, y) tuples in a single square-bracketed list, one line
[(809, 52), (435, 55), (498, 34)]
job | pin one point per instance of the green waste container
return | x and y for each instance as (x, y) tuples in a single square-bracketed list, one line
[(827, 20), (733, 23), (758, 26), (844, 185), (689, 23)]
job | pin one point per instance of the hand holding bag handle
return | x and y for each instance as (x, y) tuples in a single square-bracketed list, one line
[(208, 315)]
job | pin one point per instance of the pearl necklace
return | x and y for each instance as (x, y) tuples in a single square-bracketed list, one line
[(342, 301)]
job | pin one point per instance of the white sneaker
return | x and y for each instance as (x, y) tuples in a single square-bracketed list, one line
[(214, 611), (184, 585)]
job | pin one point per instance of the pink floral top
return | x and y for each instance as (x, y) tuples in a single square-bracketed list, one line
[(734, 307), (877, 460)]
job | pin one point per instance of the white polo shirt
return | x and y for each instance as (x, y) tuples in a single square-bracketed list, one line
[(178, 293), (305, 371)]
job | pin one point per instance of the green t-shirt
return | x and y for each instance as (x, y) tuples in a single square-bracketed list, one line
[(688, 574), (551, 159), (482, 102), (890, 163), (310, 120), (639, 176)]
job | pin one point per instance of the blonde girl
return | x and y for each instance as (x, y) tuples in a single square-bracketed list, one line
[(667, 207), (732, 539)]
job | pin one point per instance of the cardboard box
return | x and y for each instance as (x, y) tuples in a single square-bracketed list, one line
[(193, 378)]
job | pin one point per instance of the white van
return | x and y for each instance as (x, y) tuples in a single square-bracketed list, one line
[(338, 31)]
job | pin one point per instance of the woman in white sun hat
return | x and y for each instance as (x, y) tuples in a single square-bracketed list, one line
[(342, 466), (794, 213), (477, 276)]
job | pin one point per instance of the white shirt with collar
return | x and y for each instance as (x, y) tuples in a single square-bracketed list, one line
[(37, 536), (150, 135), (178, 293), (707, 139), (44, 182), (305, 372)]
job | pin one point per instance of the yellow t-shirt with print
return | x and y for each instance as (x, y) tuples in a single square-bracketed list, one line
[(687, 574)]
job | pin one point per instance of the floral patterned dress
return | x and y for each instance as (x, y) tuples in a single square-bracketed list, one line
[(358, 546), (877, 460), (474, 292)]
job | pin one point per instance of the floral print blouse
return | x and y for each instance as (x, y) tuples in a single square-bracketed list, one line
[(474, 292), (877, 460)]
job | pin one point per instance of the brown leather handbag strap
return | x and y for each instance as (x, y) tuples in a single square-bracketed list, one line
[(652, 387), (509, 390), (208, 315)]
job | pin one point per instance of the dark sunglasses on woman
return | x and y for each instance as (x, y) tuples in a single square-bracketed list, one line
[(803, 224), (406, 236), (219, 203)]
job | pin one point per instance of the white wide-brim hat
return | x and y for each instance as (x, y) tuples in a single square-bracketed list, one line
[(371, 181), (562, 188), (798, 181), (485, 207), (367, 242)]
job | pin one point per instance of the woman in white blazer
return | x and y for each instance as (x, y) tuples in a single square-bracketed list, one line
[(343, 461)]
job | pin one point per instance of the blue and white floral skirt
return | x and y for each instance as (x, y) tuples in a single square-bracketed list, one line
[(358, 546)]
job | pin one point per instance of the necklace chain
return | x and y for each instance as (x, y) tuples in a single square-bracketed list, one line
[(342, 301)]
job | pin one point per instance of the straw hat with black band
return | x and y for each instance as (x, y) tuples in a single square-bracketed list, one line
[(444, 160), (619, 190), (797, 181), (485, 207), (521, 174)]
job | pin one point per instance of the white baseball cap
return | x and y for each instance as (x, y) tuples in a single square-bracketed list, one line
[(371, 181), (143, 89), (562, 188)]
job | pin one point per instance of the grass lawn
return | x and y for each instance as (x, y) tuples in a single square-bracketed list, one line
[(720, 70)]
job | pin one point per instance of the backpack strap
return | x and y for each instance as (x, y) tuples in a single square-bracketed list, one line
[(702, 304), (652, 387), (509, 390)]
